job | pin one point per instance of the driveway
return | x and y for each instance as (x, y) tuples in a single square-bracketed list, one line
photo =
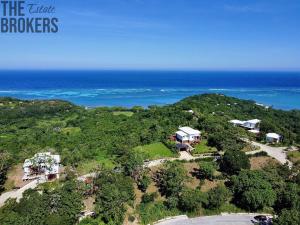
[(275, 152), (228, 219)]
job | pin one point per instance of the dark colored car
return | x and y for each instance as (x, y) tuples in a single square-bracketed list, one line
[(261, 218)]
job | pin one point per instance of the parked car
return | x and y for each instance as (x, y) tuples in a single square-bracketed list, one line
[(263, 220)]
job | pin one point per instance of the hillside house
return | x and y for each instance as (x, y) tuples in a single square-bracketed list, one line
[(251, 125), (188, 135), (237, 123), (273, 138), (42, 165)]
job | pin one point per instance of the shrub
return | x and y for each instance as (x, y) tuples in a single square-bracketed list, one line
[(207, 170), (144, 182), (218, 196), (192, 200), (149, 197)]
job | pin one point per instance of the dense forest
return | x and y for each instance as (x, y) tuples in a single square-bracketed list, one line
[(108, 137)]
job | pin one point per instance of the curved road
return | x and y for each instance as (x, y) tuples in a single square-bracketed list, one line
[(227, 219), (275, 152), (18, 194)]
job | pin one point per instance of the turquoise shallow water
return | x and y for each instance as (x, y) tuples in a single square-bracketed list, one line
[(129, 88)]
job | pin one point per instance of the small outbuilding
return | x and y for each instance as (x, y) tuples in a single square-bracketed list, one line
[(273, 138)]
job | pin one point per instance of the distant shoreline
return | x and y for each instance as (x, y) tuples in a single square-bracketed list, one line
[(134, 101), (129, 88)]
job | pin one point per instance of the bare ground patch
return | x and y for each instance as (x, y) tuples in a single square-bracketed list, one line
[(260, 162), (138, 195), (191, 167), (208, 185), (89, 203), (14, 178)]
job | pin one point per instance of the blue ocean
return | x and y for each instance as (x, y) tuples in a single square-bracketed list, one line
[(129, 88)]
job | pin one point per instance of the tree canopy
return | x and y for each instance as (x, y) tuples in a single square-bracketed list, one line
[(252, 190)]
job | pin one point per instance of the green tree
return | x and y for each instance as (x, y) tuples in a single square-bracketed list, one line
[(218, 196), (289, 197), (192, 200), (234, 161), (53, 207), (206, 170), (5, 159), (252, 190), (288, 217), (132, 163), (114, 192), (143, 182), (171, 179)]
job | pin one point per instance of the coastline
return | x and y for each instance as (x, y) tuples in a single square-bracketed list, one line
[(278, 98), (280, 90)]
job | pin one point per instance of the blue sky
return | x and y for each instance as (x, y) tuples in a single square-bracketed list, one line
[(162, 34)]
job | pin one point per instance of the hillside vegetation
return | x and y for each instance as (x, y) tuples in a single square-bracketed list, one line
[(118, 139)]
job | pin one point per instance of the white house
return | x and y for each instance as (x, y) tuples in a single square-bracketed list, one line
[(273, 138), (252, 124), (237, 122), (42, 165), (187, 134)]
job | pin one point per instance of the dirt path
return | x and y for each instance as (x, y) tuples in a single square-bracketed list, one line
[(183, 156)]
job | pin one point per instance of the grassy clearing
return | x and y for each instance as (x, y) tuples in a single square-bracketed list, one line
[(202, 148), (71, 130), (155, 151), (51, 122), (294, 156), (50, 185), (101, 160), (87, 167), (125, 113)]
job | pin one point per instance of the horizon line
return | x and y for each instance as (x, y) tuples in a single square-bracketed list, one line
[(147, 70)]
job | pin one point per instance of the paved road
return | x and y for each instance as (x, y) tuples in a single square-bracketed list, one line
[(275, 152), (229, 219), (18, 194)]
